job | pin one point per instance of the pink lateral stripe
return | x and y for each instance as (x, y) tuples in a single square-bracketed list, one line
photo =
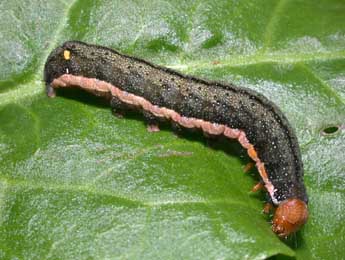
[(232, 133), (103, 88), (242, 138)]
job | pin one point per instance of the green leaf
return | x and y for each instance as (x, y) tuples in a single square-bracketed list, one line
[(78, 183)]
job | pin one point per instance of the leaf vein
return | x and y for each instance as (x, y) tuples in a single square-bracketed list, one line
[(138, 201)]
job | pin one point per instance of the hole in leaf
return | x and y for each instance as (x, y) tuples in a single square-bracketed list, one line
[(330, 130)]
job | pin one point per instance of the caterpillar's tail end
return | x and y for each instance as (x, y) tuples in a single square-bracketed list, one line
[(289, 217)]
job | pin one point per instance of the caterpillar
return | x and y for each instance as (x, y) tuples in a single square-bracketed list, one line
[(189, 102)]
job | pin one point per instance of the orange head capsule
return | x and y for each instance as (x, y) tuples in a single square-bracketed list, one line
[(289, 217)]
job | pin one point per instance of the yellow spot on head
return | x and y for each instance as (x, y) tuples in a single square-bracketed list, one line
[(67, 54)]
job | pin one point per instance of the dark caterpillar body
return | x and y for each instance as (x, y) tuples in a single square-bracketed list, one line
[(270, 140)]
